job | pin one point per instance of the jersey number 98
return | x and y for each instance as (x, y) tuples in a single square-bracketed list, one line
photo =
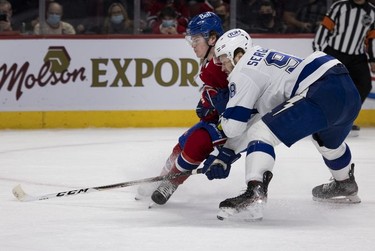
[(282, 61)]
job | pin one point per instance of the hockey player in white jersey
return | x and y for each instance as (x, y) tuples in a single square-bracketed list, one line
[(294, 98)]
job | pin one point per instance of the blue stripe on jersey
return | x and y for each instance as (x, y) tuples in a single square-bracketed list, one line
[(309, 69), (260, 146), (239, 113)]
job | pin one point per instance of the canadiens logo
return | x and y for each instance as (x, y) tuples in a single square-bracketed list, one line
[(366, 20)]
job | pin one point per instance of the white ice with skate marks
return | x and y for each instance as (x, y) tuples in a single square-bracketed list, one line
[(49, 161)]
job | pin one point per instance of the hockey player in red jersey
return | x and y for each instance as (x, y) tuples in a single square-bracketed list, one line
[(195, 145)]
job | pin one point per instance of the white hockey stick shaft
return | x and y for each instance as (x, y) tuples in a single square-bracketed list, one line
[(20, 194)]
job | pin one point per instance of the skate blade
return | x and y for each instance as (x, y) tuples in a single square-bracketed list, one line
[(252, 213), (146, 202), (352, 199), (151, 205)]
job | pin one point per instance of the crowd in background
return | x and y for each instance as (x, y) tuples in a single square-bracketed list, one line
[(159, 16)]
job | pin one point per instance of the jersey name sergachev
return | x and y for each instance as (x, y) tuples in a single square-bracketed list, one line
[(264, 78)]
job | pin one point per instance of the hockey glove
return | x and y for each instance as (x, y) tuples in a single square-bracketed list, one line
[(218, 167), (203, 111), (212, 103), (220, 100), (205, 107)]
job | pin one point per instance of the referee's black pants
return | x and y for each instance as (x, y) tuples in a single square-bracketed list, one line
[(358, 67)]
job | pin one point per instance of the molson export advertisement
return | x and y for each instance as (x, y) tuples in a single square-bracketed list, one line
[(48, 83), (135, 82), (97, 75)]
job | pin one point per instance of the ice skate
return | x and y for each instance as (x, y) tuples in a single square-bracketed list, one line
[(166, 188), (162, 194), (338, 191), (249, 205), (144, 191)]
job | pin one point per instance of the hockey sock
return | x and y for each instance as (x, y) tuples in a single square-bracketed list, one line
[(178, 169), (260, 157), (337, 160), (171, 159), (197, 148), (340, 166)]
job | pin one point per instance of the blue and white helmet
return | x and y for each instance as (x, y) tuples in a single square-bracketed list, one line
[(203, 24), (231, 41)]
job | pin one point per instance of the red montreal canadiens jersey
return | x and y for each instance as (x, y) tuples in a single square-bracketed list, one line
[(212, 75), (211, 78)]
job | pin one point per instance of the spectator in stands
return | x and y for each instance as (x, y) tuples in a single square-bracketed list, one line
[(153, 9), (168, 23), (88, 16), (35, 16), (247, 13), (23, 15), (23, 11), (267, 21), (117, 20), (76, 13), (54, 25), (5, 16), (303, 16), (197, 7), (222, 10)]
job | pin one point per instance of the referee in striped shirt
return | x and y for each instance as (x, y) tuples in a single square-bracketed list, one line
[(344, 33)]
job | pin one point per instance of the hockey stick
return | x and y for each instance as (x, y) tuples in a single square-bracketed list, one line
[(20, 194)]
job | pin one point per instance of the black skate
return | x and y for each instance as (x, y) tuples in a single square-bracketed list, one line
[(338, 191), (249, 205), (145, 190), (165, 190)]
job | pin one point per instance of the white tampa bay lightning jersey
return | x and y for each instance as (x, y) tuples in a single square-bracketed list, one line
[(265, 78)]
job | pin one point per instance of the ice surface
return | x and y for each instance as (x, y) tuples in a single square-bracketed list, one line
[(49, 161)]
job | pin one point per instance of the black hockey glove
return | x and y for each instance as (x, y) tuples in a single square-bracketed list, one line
[(218, 166)]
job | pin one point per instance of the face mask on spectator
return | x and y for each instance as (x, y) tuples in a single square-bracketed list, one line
[(117, 19), (168, 23), (53, 19)]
